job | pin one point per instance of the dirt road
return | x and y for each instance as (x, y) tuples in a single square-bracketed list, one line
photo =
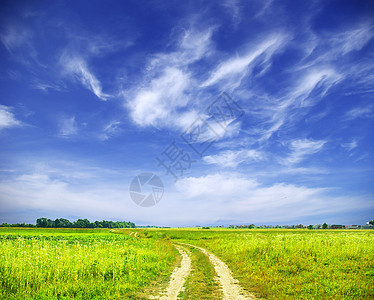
[(230, 287), (178, 277)]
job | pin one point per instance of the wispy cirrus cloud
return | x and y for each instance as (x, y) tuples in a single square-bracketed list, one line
[(14, 37), (232, 158), (67, 126), (300, 149), (354, 39), (366, 111), (350, 146), (287, 106), (76, 67), (7, 118), (327, 64), (110, 130), (230, 72)]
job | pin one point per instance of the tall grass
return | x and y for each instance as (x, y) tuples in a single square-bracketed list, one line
[(65, 265), (301, 265)]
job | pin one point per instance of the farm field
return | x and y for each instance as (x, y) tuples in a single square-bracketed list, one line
[(116, 264)]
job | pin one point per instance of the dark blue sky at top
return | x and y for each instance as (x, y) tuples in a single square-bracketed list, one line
[(92, 92)]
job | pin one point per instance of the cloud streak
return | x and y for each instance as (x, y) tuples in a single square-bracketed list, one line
[(233, 70), (77, 68), (68, 126), (7, 118), (300, 149), (232, 158)]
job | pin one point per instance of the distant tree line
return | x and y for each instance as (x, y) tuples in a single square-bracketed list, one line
[(370, 225), (80, 223), (17, 225)]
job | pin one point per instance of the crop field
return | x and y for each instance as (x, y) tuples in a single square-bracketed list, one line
[(119, 264)]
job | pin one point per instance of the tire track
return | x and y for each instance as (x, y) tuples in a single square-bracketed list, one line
[(178, 277), (230, 287)]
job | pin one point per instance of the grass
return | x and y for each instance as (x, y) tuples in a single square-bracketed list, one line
[(295, 264), (103, 264), (80, 264), (201, 284)]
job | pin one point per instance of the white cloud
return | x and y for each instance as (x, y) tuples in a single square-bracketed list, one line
[(110, 130), (168, 83), (41, 193), (350, 146), (77, 67), (360, 112), (303, 171), (226, 197), (275, 111), (317, 80), (7, 118), (234, 9), (67, 126), (154, 104), (235, 69), (45, 86), (302, 148), (232, 159), (233, 197), (14, 37), (354, 39)]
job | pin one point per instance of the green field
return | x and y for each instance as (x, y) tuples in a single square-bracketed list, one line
[(80, 264), (116, 264)]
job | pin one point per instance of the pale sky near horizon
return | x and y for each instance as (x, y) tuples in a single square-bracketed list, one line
[(94, 93)]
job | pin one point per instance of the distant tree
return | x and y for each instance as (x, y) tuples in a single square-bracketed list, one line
[(371, 222), (50, 223), (41, 222), (310, 227), (81, 223), (324, 226)]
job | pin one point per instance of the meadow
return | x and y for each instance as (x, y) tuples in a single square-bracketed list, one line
[(294, 264), (116, 264), (80, 264)]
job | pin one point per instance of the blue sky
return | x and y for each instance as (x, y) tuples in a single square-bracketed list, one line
[(93, 92)]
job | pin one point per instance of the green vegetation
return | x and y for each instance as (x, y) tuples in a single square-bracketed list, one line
[(80, 223), (80, 264), (116, 264), (294, 264), (201, 283)]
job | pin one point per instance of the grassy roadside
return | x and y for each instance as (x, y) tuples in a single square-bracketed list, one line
[(201, 283), (288, 265)]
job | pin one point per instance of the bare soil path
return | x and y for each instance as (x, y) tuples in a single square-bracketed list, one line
[(230, 287), (178, 277)]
